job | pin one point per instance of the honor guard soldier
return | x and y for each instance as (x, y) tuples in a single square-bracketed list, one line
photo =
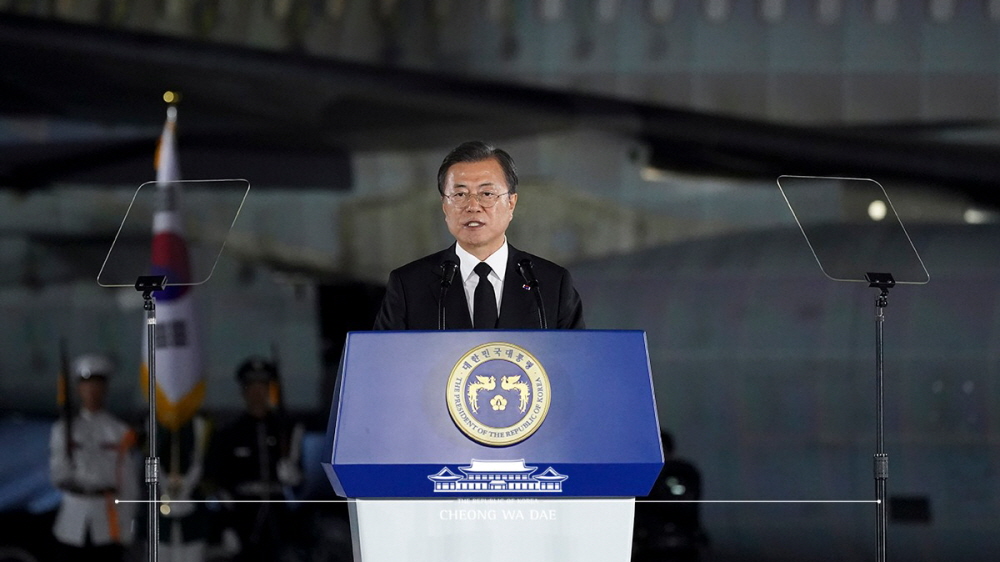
[(184, 522), (258, 458), (91, 463)]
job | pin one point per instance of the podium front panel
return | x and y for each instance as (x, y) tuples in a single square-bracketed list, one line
[(403, 425)]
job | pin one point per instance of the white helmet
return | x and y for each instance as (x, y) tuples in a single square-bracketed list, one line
[(93, 365)]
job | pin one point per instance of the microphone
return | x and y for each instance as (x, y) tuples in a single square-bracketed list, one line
[(531, 283), (448, 269), (527, 273)]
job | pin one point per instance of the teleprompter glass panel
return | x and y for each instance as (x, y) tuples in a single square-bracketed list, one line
[(852, 228), (177, 229)]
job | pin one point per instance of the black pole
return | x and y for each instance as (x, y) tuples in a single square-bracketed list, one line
[(881, 458), (147, 284), (441, 309), (448, 269), (152, 461), (543, 324), (883, 282)]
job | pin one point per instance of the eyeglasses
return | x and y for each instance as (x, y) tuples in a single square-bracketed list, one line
[(463, 199)]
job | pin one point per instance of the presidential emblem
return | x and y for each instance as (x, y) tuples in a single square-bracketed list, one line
[(498, 394)]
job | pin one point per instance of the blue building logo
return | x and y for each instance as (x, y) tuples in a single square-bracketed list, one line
[(493, 477)]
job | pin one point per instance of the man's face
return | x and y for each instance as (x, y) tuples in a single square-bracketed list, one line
[(92, 393), (480, 230), (257, 395)]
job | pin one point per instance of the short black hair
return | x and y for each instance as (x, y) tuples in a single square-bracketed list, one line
[(477, 151)]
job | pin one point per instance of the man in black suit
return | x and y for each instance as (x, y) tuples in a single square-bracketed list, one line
[(478, 187)]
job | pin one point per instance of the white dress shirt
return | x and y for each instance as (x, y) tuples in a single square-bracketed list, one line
[(497, 262)]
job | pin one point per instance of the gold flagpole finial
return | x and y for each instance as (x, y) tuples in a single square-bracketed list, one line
[(172, 97)]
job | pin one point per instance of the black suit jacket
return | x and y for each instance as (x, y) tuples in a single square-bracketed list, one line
[(411, 297)]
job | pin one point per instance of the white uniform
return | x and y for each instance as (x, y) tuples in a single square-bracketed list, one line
[(102, 470)]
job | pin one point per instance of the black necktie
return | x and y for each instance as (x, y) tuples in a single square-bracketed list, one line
[(484, 301)]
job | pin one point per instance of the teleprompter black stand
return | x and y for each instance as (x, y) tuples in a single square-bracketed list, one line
[(883, 282), (845, 245), (148, 284), (155, 210)]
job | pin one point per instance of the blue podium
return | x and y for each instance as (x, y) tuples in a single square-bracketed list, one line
[(493, 444)]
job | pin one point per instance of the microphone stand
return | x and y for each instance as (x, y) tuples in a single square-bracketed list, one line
[(447, 277), (148, 284), (542, 322), (883, 282), (531, 283), (444, 291)]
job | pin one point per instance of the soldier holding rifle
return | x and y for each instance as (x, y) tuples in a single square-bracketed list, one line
[(91, 463), (256, 458)]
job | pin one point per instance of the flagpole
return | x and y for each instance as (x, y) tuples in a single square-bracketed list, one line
[(148, 284)]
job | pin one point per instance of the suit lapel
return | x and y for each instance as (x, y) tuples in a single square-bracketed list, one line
[(517, 306)]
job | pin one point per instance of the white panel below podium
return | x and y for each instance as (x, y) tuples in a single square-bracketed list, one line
[(492, 530)]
